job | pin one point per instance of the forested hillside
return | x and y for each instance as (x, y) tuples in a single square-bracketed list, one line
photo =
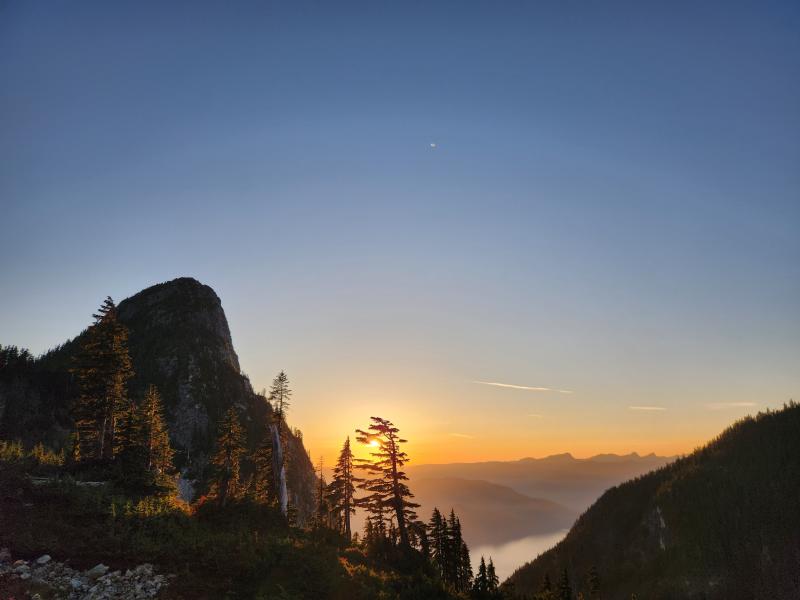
[(723, 522)]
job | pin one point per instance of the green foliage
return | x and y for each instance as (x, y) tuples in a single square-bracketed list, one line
[(226, 484), (102, 368)]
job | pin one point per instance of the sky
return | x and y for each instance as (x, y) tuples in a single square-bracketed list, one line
[(407, 204)]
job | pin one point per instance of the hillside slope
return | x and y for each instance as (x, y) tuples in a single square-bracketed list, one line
[(723, 522), (491, 513)]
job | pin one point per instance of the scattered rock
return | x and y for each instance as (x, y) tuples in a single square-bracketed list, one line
[(97, 571), (58, 581)]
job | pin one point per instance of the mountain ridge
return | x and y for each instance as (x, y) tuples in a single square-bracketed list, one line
[(722, 522)]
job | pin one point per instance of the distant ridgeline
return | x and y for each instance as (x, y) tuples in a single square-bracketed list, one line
[(723, 522), (179, 341)]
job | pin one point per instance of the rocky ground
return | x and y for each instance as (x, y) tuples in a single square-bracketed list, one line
[(46, 579)]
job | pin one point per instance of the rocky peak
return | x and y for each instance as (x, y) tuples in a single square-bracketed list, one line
[(185, 308)]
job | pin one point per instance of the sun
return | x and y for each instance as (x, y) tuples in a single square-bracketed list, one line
[(374, 443)]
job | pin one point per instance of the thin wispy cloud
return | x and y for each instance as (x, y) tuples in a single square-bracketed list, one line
[(722, 405), (646, 408), (462, 435), (530, 388)]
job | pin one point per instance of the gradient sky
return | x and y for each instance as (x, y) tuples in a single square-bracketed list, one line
[(611, 208)]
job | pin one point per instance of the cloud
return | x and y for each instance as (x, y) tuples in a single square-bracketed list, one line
[(529, 388), (462, 435), (721, 405), (646, 408)]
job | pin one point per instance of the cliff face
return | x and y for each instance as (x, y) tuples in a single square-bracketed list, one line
[(180, 341)]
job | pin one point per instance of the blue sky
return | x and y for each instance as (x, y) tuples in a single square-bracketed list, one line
[(612, 205)]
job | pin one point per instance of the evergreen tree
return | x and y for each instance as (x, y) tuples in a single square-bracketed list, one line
[(465, 569), (158, 453), (492, 581), (323, 508), (547, 586), (594, 583), (341, 492), (438, 536), (564, 587), (264, 485), (103, 368), (480, 586), (387, 488), (279, 395), (227, 459)]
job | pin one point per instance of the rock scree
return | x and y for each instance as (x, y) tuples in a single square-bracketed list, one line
[(46, 578)]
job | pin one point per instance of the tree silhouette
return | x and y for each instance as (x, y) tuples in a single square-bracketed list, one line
[(341, 491), (279, 395), (387, 488)]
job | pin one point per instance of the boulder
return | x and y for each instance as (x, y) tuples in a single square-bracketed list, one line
[(97, 571), (43, 559)]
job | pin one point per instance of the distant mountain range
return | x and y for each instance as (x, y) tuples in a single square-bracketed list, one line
[(723, 522), (560, 478), (499, 501)]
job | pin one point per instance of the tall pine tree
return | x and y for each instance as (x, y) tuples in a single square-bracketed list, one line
[(264, 485), (103, 368), (341, 491), (227, 458), (387, 487), (158, 453)]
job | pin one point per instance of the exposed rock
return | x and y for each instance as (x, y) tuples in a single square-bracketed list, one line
[(43, 559), (58, 581), (97, 571)]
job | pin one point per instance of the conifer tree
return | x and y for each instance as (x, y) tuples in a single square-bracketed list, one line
[(480, 586), (102, 367), (227, 459), (341, 491), (594, 583), (279, 395), (465, 569), (264, 485), (564, 587), (323, 508), (492, 581), (387, 488), (438, 536), (158, 453)]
